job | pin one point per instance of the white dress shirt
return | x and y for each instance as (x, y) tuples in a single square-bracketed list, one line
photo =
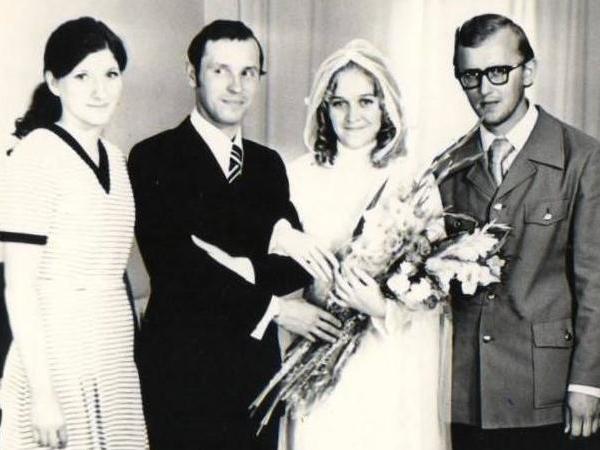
[(518, 136), (220, 145)]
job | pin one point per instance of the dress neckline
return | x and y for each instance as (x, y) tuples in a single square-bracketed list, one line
[(102, 170)]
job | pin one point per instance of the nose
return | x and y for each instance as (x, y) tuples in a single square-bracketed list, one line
[(353, 113), (99, 90), (486, 86), (235, 83)]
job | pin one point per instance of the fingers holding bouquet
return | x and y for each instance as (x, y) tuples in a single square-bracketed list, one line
[(356, 289)]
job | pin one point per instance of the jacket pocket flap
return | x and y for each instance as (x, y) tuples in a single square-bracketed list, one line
[(545, 212), (558, 333)]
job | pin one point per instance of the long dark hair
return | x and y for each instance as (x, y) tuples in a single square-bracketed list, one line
[(67, 46)]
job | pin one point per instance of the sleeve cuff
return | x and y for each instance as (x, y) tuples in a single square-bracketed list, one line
[(245, 269), (279, 230), (582, 389), (271, 312), (24, 238)]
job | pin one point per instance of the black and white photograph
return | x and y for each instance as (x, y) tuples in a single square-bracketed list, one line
[(300, 225)]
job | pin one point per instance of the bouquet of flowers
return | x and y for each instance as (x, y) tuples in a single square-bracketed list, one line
[(412, 267)]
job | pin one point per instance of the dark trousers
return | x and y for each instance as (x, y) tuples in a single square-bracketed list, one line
[(465, 437)]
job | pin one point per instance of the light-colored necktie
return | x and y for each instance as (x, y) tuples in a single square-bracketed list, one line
[(499, 151), (236, 162)]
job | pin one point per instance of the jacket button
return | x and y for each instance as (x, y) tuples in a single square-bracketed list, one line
[(548, 216), (487, 338), (498, 206), (458, 223), (491, 296), (568, 336)]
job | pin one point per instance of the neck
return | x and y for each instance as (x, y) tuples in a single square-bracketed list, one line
[(87, 138), (358, 154)]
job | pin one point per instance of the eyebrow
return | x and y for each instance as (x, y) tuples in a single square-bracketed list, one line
[(360, 95), (227, 66)]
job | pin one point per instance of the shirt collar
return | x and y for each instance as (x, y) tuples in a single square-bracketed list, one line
[(518, 135), (217, 141)]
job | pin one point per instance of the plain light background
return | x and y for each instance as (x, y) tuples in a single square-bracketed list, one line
[(416, 35)]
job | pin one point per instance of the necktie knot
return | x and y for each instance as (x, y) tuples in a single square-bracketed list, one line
[(500, 149), (236, 161)]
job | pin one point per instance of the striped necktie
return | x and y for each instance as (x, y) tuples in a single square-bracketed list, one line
[(236, 161), (499, 151)]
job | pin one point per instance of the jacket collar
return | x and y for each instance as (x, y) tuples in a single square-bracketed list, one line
[(544, 146)]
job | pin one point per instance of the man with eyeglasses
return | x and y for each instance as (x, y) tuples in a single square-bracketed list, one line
[(526, 364)]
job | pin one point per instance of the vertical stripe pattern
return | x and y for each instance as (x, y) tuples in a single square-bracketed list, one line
[(236, 162)]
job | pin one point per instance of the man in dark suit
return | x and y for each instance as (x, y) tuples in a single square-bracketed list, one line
[(199, 366), (526, 365)]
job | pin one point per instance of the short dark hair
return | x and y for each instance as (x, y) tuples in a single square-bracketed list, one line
[(67, 46), (476, 30), (217, 30), (325, 146)]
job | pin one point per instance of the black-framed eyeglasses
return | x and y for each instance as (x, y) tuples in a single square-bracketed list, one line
[(497, 75)]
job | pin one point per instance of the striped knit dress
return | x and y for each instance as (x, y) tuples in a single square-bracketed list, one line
[(52, 195)]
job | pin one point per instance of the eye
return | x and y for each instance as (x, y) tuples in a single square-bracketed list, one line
[(497, 70), (366, 101), (81, 76), (217, 71), (337, 103), (113, 74), (249, 73)]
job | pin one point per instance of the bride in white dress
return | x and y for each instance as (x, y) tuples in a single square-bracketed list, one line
[(392, 393)]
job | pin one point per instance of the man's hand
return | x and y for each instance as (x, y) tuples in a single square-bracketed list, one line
[(319, 262), (582, 414), (238, 264), (300, 317)]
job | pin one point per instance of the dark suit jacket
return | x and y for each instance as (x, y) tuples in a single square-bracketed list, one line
[(197, 360), (519, 343)]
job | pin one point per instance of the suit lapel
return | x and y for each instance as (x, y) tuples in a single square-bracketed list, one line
[(198, 153), (543, 146), (478, 174)]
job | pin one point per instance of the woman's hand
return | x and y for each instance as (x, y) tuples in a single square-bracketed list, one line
[(48, 421), (300, 317), (318, 261), (358, 290)]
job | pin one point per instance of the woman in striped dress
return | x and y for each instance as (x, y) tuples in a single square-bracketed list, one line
[(66, 217)]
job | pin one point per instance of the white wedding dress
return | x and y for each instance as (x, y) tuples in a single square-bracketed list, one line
[(393, 393)]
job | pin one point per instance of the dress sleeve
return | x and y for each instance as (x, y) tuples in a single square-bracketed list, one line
[(28, 191)]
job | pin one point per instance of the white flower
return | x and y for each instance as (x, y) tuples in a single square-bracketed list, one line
[(471, 275), (408, 269), (398, 284), (443, 270), (418, 293), (495, 263)]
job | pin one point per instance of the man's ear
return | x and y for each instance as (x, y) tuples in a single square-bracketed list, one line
[(529, 71), (51, 82), (191, 74)]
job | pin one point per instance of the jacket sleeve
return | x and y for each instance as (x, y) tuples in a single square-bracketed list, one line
[(174, 263), (280, 275), (585, 236)]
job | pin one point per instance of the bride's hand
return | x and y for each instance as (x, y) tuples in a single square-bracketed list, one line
[(358, 290), (318, 261), (48, 421)]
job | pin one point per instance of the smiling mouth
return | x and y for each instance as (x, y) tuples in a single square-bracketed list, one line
[(233, 102)]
